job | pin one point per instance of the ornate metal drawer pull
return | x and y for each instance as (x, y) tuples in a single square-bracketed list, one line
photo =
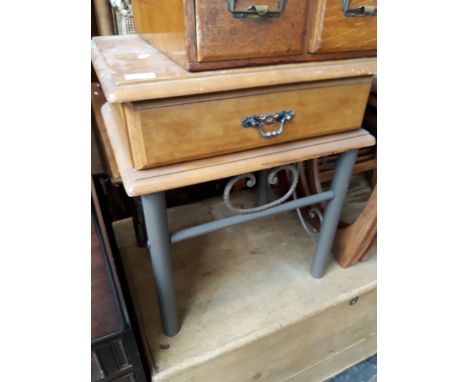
[(259, 121), (365, 10), (256, 10)]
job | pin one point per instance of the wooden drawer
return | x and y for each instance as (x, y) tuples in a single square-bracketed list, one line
[(336, 33), (187, 128), (208, 34), (220, 36)]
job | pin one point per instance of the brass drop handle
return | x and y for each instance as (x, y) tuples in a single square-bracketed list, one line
[(258, 121), (255, 10), (365, 10)]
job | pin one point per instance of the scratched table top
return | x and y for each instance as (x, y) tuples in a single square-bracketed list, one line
[(130, 69)]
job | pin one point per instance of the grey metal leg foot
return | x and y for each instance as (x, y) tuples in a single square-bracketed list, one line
[(340, 183), (262, 188), (154, 207)]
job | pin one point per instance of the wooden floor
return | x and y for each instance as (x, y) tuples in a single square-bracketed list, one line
[(250, 310)]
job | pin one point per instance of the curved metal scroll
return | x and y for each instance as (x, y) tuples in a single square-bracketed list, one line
[(272, 179), (313, 213)]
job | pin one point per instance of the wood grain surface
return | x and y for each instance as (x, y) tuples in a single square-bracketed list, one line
[(130, 69), (163, 24), (103, 14), (352, 242), (181, 129), (195, 66), (203, 35), (334, 32), (221, 36)]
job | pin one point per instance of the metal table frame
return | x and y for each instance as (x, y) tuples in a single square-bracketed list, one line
[(160, 240)]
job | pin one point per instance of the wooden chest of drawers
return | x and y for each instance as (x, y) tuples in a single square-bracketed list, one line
[(212, 34), (185, 128)]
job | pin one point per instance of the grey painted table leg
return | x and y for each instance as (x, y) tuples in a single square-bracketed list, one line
[(154, 207), (262, 188), (340, 183)]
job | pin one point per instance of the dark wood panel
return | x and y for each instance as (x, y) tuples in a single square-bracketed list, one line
[(194, 66), (114, 351), (221, 36), (105, 317)]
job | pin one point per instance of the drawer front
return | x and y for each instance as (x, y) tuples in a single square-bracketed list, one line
[(187, 128), (222, 36), (336, 33)]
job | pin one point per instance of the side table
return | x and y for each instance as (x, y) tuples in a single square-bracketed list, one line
[(151, 184), (132, 71)]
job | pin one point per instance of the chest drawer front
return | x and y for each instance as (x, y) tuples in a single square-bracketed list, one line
[(335, 32), (187, 128), (222, 36)]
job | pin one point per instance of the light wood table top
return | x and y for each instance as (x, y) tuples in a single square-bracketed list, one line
[(130, 69), (141, 182)]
